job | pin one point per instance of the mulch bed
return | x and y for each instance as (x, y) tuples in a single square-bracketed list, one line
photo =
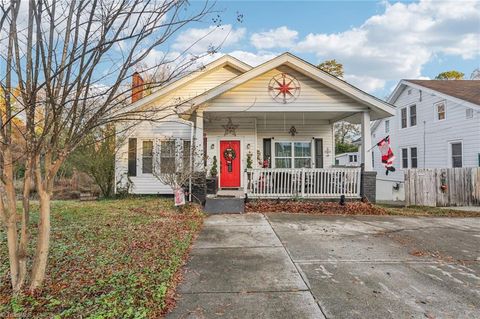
[(313, 207)]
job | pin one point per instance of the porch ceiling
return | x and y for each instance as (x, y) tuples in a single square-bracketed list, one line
[(299, 116)]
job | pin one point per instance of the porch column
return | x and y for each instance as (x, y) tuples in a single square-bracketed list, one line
[(366, 142), (199, 163)]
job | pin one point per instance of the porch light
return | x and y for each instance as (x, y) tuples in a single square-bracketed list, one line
[(212, 147), (248, 146)]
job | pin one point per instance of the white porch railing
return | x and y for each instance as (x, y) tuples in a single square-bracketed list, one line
[(303, 182)]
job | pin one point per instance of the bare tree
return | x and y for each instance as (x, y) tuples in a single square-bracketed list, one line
[(172, 162), (70, 61)]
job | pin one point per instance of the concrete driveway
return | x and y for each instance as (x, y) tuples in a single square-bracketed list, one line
[(303, 266)]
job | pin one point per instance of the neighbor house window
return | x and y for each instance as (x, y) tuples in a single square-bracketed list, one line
[(293, 154), (132, 157), (147, 157), (469, 113), (457, 160), (413, 115), (387, 126), (404, 117), (352, 158), (167, 156), (404, 157), (413, 157), (441, 111)]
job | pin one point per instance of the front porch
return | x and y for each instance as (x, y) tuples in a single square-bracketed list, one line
[(280, 154)]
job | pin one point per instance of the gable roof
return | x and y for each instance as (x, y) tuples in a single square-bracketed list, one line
[(468, 90), (226, 60), (378, 106), (465, 92)]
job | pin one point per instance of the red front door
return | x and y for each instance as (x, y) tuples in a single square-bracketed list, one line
[(230, 163)]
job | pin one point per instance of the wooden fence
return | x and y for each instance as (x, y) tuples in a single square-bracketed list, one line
[(442, 187)]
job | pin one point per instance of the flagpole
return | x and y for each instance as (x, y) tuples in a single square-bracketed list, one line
[(371, 148)]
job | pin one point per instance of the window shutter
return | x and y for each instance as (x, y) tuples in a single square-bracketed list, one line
[(132, 157), (267, 150), (318, 153)]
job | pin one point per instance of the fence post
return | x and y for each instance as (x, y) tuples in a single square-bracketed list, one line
[(303, 182)]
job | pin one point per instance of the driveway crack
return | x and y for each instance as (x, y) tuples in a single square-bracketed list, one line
[(299, 270)]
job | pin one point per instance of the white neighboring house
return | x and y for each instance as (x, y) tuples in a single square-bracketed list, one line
[(436, 125), (348, 159), (281, 112)]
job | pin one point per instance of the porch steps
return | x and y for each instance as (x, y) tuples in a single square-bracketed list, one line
[(219, 205), (226, 201)]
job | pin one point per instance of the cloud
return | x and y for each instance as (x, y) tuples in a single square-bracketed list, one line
[(397, 43), (198, 41), (394, 44), (253, 59), (281, 37)]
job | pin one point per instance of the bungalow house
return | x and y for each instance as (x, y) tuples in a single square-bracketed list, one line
[(269, 127), (436, 125)]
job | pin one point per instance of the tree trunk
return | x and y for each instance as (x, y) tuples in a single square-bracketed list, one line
[(22, 249), (10, 210), (43, 242)]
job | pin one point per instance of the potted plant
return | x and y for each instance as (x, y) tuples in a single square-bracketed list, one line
[(249, 166), (212, 181)]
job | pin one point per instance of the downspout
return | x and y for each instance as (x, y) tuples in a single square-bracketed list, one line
[(191, 162), (424, 143)]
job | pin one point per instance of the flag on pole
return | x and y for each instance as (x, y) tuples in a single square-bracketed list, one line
[(387, 154)]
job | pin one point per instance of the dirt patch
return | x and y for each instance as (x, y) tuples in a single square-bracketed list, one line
[(313, 207)]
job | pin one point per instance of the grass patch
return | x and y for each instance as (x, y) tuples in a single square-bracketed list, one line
[(308, 206), (108, 259), (428, 211)]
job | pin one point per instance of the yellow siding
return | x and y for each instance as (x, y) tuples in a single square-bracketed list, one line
[(195, 87), (254, 96)]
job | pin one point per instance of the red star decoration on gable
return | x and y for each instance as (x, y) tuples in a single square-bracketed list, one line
[(284, 88)]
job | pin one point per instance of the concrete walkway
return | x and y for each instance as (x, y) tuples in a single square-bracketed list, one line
[(303, 266)]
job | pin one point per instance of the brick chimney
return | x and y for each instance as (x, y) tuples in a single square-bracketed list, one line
[(137, 87)]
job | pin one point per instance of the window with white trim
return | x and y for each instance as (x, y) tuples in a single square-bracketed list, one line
[(413, 115), (456, 152), (413, 157), (293, 154), (403, 116), (352, 158), (468, 113), (167, 156), (387, 126), (440, 111), (147, 157), (404, 157)]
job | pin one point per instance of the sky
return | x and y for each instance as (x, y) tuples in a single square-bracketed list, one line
[(378, 42)]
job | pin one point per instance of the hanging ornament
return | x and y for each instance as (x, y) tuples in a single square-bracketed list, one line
[(387, 154), (230, 128), (293, 131)]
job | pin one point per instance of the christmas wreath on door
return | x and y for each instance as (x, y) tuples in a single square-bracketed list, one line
[(229, 155)]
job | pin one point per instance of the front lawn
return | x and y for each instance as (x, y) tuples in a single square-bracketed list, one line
[(108, 259)]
